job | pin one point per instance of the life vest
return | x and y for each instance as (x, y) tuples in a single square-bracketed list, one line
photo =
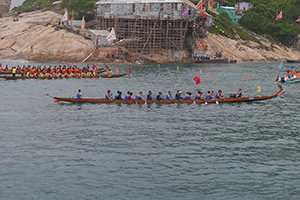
[(14, 70), (51, 71), (64, 71), (297, 75)]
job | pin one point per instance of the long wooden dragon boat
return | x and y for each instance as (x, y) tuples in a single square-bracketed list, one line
[(232, 100), (98, 76)]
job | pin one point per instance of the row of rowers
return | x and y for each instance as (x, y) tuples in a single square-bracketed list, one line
[(60, 69), (188, 96)]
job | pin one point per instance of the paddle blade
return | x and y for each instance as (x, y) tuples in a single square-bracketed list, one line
[(56, 101)]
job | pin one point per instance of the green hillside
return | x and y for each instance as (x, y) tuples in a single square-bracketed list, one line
[(261, 19)]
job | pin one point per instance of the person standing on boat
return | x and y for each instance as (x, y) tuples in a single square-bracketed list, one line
[(79, 95), (219, 95), (149, 96), (108, 95), (169, 96)]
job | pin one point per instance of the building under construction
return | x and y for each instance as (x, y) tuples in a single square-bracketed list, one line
[(151, 25)]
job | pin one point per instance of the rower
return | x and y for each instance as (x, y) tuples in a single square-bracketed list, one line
[(119, 96), (139, 96), (177, 96), (14, 71), (108, 95), (149, 96), (169, 97), (0, 67), (199, 96), (118, 93), (79, 95), (158, 97), (127, 95), (110, 73), (219, 95), (208, 95), (239, 93), (187, 96)]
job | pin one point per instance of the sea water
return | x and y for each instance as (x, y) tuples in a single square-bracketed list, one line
[(60, 150)]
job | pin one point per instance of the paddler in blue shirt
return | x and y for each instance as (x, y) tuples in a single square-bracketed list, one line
[(108, 95), (169, 96), (219, 95), (208, 95), (239, 93), (158, 97), (149, 96), (188, 96), (79, 95), (199, 96), (116, 96), (139, 96), (177, 96), (127, 95)]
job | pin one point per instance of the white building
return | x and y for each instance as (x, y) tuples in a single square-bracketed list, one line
[(243, 6)]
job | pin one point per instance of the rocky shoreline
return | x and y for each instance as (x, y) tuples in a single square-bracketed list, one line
[(33, 38)]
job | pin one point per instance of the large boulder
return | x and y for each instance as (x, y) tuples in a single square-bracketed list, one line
[(4, 6)]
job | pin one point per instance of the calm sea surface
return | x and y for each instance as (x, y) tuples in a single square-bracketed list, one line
[(115, 151)]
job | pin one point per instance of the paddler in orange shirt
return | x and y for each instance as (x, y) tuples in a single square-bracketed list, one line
[(297, 75), (293, 72)]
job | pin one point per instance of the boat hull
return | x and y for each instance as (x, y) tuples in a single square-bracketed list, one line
[(99, 76), (216, 61), (228, 100)]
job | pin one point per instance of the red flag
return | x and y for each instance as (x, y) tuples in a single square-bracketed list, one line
[(46, 94), (197, 79), (298, 20), (72, 18), (212, 3), (279, 16), (205, 1), (199, 5), (202, 14), (277, 78)]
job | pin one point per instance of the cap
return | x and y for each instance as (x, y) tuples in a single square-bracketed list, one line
[(240, 88)]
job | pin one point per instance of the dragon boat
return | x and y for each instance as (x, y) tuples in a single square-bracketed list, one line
[(229, 100), (44, 77)]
